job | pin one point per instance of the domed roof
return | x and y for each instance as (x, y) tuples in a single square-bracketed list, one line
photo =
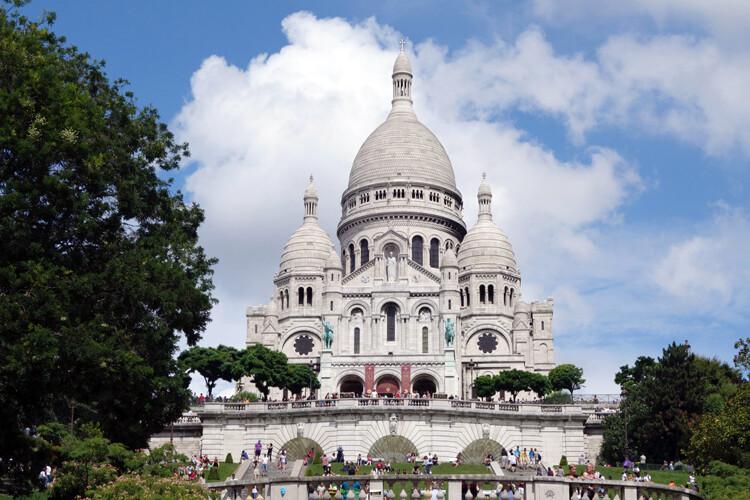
[(309, 246), (449, 259), (333, 261), (402, 147), (486, 245), (402, 64)]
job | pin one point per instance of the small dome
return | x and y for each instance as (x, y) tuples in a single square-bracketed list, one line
[(486, 245), (449, 259), (402, 64), (308, 248), (311, 192), (484, 187), (333, 261)]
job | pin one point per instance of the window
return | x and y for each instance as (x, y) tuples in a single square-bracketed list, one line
[(364, 252), (434, 253), (352, 263), (301, 296), (462, 298), (542, 325), (390, 315), (416, 249), (256, 328), (505, 296), (449, 304), (286, 296), (343, 260), (281, 300), (510, 298), (356, 341), (309, 296), (490, 294), (425, 340), (468, 300), (481, 294), (331, 305)]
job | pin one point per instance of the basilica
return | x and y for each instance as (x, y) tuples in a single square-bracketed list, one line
[(414, 302)]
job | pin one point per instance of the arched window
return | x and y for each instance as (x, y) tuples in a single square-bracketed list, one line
[(448, 244), (286, 297), (256, 328), (425, 340), (449, 304), (343, 260), (301, 296), (462, 298), (309, 296), (352, 257), (481, 294), (331, 305), (416, 249), (281, 300), (468, 298), (390, 314), (434, 253), (510, 298), (490, 294), (356, 341), (542, 325), (505, 296), (364, 252)]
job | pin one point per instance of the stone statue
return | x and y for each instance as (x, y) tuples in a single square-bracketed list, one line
[(390, 268), (328, 335), (485, 431), (300, 429), (393, 422), (424, 315), (450, 334)]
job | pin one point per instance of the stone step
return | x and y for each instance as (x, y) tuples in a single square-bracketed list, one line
[(273, 471)]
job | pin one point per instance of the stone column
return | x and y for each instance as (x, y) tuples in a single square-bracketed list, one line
[(451, 376)]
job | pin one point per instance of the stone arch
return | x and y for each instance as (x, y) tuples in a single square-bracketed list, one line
[(394, 448), (297, 448), (428, 373), (352, 373), (352, 383), (354, 304), (388, 384), (477, 450), (432, 306), (472, 336), (542, 353), (423, 383), (300, 330)]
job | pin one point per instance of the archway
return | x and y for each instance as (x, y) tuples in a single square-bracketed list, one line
[(424, 384), (477, 451), (388, 385), (394, 448), (352, 384), (299, 447)]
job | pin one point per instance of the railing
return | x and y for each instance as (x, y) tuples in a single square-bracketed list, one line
[(408, 404), (455, 486)]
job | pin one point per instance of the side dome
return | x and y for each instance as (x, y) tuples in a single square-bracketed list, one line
[(333, 261), (486, 245), (309, 247)]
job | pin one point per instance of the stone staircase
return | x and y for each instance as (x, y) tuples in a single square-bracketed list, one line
[(273, 471)]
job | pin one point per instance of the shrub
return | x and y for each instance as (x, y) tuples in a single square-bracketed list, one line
[(229, 459), (250, 396), (558, 398), (213, 474), (563, 461), (316, 459)]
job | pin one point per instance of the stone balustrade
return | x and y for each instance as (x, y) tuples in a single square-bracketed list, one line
[(420, 404), (449, 486)]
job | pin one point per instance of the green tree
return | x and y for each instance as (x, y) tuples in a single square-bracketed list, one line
[(539, 384), (100, 270), (298, 377), (567, 376), (627, 376), (724, 437), (742, 358), (213, 363), (265, 367), (724, 481), (485, 386), (513, 381)]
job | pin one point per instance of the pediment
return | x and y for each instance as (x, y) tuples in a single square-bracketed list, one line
[(362, 276), (418, 274)]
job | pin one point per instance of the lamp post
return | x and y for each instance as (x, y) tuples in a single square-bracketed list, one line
[(312, 367), (471, 364), (624, 405)]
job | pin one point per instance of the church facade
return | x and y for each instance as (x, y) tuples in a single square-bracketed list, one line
[(414, 302)]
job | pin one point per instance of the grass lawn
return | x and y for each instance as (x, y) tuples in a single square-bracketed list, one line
[(225, 471), (444, 468), (680, 478)]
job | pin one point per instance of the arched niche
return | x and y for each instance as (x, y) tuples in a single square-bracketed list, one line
[(477, 450), (299, 447), (393, 448)]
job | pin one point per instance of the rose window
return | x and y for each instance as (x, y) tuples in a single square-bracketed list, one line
[(303, 345), (487, 343)]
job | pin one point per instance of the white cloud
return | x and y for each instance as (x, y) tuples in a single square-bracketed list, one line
[(709, 269)]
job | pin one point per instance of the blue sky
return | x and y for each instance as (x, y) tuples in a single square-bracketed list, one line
[(616, 138)]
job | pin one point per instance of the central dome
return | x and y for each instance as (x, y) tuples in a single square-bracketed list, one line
[(402, 148)]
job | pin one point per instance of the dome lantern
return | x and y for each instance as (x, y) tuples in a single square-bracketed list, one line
[(402, 77), (484, 196), (311, 201)]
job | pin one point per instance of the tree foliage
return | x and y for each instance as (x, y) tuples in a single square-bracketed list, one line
[(724, 437), (213, 363), (558, 398), (298, 377), (484, 385), (515, 381), (566, 376), (627, 377), (724, 481), (742, 358), (265, 367), (100, 269)]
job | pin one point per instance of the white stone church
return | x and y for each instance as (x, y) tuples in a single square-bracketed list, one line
[(408, 267)]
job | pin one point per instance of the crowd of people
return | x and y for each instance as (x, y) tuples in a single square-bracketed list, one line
[(197, 468)]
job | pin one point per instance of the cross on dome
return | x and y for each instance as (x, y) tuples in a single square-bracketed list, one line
[(402, 42)]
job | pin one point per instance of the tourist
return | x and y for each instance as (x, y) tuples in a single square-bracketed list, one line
[(524, 459), (550, 473), (233, 481), (256, 469), (324, 463), (254, 492), (359, 459), (459, 459), (244, 456), (581, 460), (503, 458), (521, 492), (512, 461), (258, 448), (388, 467), (270, 451), (265, 465), (489, 459), (282, 459)]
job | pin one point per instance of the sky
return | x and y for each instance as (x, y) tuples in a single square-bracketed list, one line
[(615, 136)]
